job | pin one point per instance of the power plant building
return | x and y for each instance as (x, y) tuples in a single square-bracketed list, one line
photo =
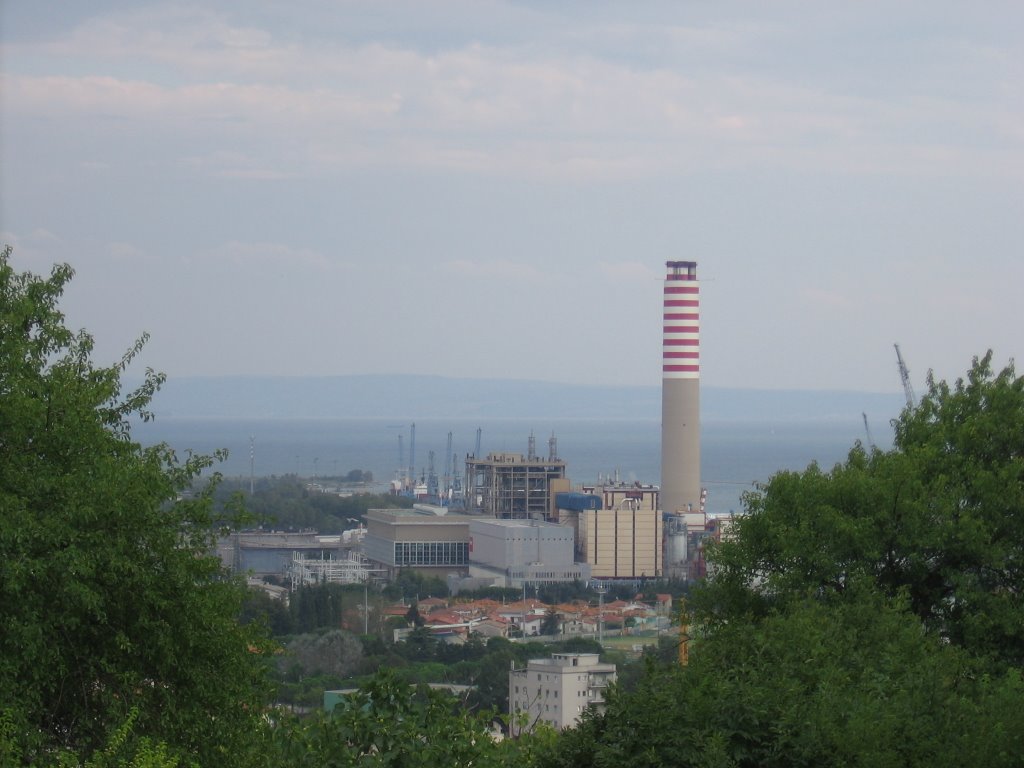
[(515, 487), (618, 529), (424, 539), (515, 553)]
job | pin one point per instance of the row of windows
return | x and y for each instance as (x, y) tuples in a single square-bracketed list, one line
[(546, 575), (431, 553)]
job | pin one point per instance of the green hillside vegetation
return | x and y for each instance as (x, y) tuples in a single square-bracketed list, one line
[(287, 503)]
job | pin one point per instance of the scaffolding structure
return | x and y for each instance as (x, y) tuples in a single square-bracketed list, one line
[(305, 571), (512, 486)]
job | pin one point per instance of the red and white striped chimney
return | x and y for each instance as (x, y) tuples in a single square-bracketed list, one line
[(680, 389)]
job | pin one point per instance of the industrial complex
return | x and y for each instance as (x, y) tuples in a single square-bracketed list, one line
[(515, 519)]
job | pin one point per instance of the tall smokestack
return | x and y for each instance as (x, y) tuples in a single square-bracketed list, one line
[(680, 389)]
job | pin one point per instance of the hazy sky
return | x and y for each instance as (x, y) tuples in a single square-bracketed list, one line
[(491, 189)]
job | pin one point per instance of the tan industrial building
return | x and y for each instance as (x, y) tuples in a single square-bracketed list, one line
[(557, 691), (620, 539), (621, 543), (614, 494)]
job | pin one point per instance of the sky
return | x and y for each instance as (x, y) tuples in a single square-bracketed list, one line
[(491, 189)]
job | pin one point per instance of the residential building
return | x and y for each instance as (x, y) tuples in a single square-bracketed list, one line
[(559, 689)]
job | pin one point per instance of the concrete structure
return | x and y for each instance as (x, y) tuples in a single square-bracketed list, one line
[(514, 486), (680, 389), (556, 691), (514, 553), (621, 543), (618, 529), (308, 571), (266, 553), (417, 538), (613, 495)]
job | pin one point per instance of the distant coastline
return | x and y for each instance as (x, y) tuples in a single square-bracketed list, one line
[(410, 397)]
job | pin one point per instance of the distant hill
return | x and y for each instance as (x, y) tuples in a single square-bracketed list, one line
[(412, 397)]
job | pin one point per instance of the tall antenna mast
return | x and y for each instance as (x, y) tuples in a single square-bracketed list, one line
[(252, 463)]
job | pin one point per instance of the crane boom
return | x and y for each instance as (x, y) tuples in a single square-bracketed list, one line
[(867, 429), (908, 390)]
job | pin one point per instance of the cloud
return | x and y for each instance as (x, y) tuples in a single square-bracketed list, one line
[(568, 108), (499, 270), (623, 271), (37, 249), (828, 299), (264, 254), (127, 252)]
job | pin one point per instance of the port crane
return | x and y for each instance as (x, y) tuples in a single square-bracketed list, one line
[(908, 390), (867, 429)]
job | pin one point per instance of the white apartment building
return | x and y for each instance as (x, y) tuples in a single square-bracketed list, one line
[(557, 690)]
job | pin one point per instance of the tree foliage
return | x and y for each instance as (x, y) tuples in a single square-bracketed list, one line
[(335, 652), (867, 615), (286, 503), (387, 723), (939, 519), (850, 682), (109, 600)]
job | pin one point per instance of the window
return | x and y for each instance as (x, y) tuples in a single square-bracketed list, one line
[(431, 553)]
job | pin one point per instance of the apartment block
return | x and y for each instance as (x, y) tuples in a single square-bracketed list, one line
[(557, 690)]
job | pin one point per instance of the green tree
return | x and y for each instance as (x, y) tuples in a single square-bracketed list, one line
[(335, 652), (940, 519), (110, 601), (867, 615), (823, 683), (413, 616), (552, 623), (272, 612), (388, 723)]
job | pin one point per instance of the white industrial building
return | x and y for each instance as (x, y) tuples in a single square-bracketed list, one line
[(514, 553), (557, 691)]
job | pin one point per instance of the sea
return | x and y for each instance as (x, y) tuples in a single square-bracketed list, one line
[(735, 456)]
